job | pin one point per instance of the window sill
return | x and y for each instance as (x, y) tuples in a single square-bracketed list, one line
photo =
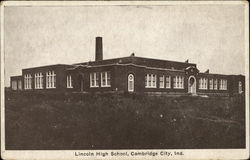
[(150, 87), (164, 88), (105, 86), (94, 86)]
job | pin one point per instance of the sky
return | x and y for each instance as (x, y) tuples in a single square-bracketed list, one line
[(210, 36)]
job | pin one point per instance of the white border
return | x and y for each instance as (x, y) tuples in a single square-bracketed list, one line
[(103, 3), (69, 154)]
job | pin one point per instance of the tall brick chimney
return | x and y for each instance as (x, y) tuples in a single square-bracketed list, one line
[(98, 49)]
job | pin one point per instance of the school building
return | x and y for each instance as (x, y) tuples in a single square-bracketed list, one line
[(130, 74)]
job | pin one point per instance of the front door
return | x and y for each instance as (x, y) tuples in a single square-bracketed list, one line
[(192, 85), (131, 83)]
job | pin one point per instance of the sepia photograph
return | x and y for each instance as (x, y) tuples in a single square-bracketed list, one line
[(125, 80)]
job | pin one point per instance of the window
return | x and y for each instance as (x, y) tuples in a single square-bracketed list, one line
[(14, 85), (174, 82), (150, 81), (105, 79), (94, 79), (131, 83), (50, 79), (199, 83), (203, 83), (38, 80), (240, 87), (179, 82), (215, 84), (20, 84), (27, 81), (161, 85), (211, 85), (223, 84), (206, 83), (154, 81), (69, 81), (108, 79), (168, 82)]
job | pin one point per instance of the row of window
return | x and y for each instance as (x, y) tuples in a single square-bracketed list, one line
[(164, 81), (178, 82), (105, 77), (213, 84), (38, 80), (150, 81), (51, 80)]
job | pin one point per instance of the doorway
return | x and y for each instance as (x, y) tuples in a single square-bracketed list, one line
[(192, 85)]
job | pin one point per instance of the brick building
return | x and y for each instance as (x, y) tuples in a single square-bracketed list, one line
[(127, 74)]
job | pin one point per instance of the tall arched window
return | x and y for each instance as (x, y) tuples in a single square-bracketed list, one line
[(131, 83)]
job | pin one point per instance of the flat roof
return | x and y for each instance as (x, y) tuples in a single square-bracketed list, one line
[(150, 62), (53, 65)]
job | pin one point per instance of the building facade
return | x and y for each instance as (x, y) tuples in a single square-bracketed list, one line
[(130, 74)]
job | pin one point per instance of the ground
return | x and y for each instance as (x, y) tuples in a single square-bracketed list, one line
[(54, 121)]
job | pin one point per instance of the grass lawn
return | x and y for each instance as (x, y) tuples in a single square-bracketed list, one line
[(39, 121)]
